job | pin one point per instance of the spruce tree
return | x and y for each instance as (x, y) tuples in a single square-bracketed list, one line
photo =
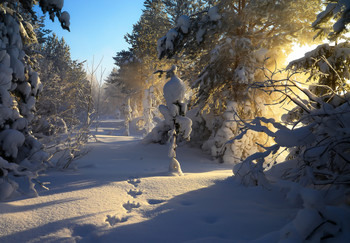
[(21, 153)]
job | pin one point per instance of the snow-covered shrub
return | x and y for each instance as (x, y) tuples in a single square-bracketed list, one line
[(20, 153), (316, 134)]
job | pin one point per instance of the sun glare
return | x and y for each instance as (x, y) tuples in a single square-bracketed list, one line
[(299, 52)]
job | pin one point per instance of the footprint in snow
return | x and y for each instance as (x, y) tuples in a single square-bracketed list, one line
[(113, 220), (155, 201), (134, 181), (134, 193), (129, 206)]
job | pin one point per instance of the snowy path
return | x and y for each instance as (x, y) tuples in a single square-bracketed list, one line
[(121, 193)]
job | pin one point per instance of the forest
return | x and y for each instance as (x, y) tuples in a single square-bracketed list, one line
[(206, 98)]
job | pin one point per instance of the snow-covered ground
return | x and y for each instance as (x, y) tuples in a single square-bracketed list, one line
[(121, 192)]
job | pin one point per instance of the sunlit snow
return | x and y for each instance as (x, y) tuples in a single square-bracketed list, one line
[(121, 192)]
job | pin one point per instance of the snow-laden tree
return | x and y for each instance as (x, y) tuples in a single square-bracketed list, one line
[(136, 65), (225, 46), (20, 152), (127, 116), (65, 86), (142, 57), (148, 107), (175, 124)]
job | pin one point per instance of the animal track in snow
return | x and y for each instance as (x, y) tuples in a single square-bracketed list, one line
[(113, 220), (129, 206), (134, 181), (155, 201), (134, 193)]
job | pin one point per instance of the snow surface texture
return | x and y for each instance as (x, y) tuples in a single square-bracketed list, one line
[(120, 193)]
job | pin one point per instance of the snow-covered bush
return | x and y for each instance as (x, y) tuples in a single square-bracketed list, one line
[(20, 153), (231, 127), (176, 124), (316, 134)]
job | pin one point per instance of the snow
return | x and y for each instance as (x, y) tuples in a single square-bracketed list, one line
[(213, 13), (170, 38), (57, 3), (10, 141), (121, 192), (65, 18), (174, 89), (184, 23), (200, 34)]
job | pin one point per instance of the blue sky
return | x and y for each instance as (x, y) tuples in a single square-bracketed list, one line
[(98, 28)]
